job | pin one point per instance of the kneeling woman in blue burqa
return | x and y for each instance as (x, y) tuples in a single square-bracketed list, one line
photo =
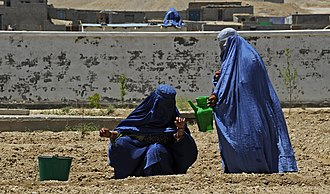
[(252, 132), (152, 140)]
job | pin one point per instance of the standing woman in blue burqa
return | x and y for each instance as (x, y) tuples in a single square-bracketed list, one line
[(252, 132), (153, 140)]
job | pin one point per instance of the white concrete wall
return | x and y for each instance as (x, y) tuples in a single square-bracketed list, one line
[(66, 67)]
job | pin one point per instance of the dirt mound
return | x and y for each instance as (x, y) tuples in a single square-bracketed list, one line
[(260, 8), (309, 132), (275, 9)]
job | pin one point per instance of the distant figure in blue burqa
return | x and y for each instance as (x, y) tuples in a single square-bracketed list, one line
[(252, 132), (172, 18), (153, 140)]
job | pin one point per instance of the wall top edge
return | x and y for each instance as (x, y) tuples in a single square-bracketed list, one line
[(162, 34)]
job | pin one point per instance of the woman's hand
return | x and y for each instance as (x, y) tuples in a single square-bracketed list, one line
[(212, 101), (216, 76), (180, 124), (104, 132)]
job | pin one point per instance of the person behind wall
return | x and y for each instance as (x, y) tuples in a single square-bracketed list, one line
[(9, 28), (172, 18), (252, 132), (153, 140)]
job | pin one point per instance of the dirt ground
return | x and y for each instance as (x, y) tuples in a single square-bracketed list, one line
[(309, 132), (260, 8)]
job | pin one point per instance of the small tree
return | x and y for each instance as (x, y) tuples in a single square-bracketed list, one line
[(94, 100), (110, 109), (122, 82), (289, 75)]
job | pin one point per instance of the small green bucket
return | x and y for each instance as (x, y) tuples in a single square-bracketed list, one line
[(54, 168)]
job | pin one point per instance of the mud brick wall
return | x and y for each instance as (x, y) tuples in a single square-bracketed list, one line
[(61, 67)]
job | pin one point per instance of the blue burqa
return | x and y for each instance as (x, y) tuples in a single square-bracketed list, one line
[(252, 131), (154, 117), (172, 18)]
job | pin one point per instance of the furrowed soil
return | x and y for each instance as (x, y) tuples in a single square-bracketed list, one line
[(309, 131)]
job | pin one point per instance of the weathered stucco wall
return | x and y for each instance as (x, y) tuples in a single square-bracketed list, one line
[(61, 68)]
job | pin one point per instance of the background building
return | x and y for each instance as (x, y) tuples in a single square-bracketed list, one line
[(38, 15), (26, 15)]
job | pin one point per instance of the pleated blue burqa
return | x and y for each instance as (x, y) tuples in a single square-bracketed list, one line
[(252, 131), (132, 155), (172, 18)]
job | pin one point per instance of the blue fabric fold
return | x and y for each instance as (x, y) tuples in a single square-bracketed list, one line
[(154, 116), (252, 131)]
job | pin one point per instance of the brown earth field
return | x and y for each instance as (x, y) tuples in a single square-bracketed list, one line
[(260, 8), (309, 131)]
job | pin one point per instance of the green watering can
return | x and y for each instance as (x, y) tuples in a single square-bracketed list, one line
[(203, 114)]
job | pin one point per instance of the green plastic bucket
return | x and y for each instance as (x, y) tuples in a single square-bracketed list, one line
[(54, 167)]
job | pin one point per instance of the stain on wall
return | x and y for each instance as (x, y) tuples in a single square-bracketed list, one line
[(185, 41), (53, 68)]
